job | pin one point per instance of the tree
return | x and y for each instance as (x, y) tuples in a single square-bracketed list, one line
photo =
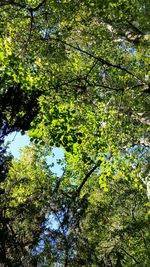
[(117, 231), (27, 193), (75, 74)]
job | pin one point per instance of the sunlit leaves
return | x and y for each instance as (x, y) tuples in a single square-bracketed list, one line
[(28, 178), (76, 75)]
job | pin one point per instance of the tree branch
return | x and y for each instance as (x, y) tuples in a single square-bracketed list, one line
[(12, 2), (78, 191), (130, 256), (105, 86), (40, 4), (101, 60), (138, 31)]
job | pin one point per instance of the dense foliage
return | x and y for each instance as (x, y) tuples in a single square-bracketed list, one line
[(75, 75)]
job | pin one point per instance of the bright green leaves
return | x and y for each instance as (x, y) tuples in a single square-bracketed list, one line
[(76, 74), (114, 221), (28, 188), (58, 120), (28, 179), (88, 134)]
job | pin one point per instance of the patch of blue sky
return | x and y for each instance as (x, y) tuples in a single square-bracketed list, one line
[(18, 141), (55, 159)]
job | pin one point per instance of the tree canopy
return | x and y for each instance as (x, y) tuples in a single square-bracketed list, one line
[(75, 75)]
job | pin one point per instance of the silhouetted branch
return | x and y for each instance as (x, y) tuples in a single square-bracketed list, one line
[(86, 178), (130, 255), (98, 58)]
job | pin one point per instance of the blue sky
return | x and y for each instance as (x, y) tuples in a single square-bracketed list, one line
[(18, 141)]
